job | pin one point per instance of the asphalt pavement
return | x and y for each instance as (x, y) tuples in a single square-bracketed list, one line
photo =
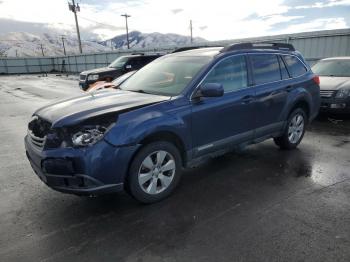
[(261, 204)]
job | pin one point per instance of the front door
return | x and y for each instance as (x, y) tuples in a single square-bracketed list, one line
[(220, 122)]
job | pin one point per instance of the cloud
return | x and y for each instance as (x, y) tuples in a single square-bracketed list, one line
[(177, 10), (329, 3), (318, 24), (101, 18)]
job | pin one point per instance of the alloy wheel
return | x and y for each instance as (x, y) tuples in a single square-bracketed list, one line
[(296, 128), (156, 172)]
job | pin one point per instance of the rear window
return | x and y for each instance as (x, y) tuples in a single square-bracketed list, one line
[(295, 66), (266, 68)]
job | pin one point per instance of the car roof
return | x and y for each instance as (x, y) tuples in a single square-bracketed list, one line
[(141, 55), (207, 51)]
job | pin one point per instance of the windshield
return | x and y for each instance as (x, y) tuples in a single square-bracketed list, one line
[(166, 75), (119, 62), (123, 78), (332, 68)]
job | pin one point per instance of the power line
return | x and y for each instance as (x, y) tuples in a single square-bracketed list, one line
[(99, 23)]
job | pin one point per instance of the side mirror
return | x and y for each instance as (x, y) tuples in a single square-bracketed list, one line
[(210, 90), (128, 67)]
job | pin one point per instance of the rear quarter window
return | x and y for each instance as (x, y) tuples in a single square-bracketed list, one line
[(295, 66), (266, 68)]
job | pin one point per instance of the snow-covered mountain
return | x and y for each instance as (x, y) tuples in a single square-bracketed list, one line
[(151, 40), (23, 44)]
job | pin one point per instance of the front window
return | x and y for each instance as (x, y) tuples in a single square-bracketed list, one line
[(166, 76), (332, 68), (119, 62), (231, 73)]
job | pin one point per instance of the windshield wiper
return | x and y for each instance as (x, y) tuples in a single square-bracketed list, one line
[(141, 91)]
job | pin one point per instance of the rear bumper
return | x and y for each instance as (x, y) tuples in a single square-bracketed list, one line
[(99, 169)]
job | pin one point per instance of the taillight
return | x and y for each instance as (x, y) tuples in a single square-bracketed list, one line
[(316, 80)]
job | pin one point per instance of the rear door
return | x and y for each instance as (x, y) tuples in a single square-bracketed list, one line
[(219, 122), (271, 92)]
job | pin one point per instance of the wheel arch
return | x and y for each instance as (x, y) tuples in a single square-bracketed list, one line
[(303, 104), (168, 136)]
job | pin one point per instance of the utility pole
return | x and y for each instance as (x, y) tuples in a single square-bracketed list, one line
[(42, 49), (127, 29), (191, 31), (64, 48), (76, 8)]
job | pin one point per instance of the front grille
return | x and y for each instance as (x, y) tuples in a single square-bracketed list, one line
[(82, 77), (327, 93), (38, 129)]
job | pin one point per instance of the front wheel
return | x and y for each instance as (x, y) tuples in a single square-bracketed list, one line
[(294, 131), (155, 172)]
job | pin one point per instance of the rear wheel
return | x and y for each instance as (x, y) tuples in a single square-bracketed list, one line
[(294, 131), (155, 172)]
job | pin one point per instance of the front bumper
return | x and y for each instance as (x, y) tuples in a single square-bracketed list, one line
[(99, 169), (84, 85), (335, 105)]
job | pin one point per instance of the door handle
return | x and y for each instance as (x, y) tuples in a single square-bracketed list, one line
[(247, 99), (289, 88)]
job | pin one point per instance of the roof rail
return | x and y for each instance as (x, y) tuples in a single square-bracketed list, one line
[(186, 48), (275, 46)]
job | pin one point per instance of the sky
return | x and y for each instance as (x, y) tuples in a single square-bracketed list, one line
[(212, 20)]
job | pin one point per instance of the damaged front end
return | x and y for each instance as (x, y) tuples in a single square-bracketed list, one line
[(88, 132), (76, 159)]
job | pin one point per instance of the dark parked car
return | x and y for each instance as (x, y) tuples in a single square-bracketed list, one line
[(173, 113), (117, 68), (335, 84)]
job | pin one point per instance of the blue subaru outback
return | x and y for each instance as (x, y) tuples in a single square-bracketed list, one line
[(174, 113)]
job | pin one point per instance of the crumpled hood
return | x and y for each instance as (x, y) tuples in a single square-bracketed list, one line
[(334, 83), (74, 110), (99, 70)]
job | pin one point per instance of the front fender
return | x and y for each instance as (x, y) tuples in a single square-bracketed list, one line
[(132, 127)]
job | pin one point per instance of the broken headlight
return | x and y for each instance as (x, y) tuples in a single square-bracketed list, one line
[(89, 135)]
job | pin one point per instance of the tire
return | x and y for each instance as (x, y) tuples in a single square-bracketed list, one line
[(154, 172), (294, 131)]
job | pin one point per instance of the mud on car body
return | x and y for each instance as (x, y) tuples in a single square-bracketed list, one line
[(175, 112)]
